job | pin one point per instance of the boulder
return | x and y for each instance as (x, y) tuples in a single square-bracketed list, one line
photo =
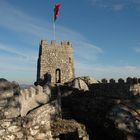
[(80, 84), (92, 80), (89, 80)]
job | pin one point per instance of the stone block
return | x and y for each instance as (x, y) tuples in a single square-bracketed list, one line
[(14, 129), (5, 124)]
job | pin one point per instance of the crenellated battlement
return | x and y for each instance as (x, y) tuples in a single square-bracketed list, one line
[(53, 43), (128, 80), (117, 89)]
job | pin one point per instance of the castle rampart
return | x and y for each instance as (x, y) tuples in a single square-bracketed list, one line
[(122, 89)]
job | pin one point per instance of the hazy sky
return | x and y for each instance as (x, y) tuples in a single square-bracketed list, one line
[(105, 35)]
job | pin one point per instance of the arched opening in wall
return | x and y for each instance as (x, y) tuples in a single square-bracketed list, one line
[(58, 75), (69, 60)]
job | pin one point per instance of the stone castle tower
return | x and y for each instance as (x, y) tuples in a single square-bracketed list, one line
[(55, 62)]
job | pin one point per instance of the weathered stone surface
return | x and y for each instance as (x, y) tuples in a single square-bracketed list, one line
[(14, 129), (2, 132), (33, 131), (10, 137), (19, 135), (30, 127), (3, 103), (62, 126), (9, 105), (6, 94), (11, 112), (30, 138), (6, 124), (41, 136), (35, 123)]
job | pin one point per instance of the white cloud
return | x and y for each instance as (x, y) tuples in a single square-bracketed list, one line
[(17, 65), (14, 19), (107, 71), (30, 55), (116, 5), (86, 51), (137, 50), (12, 50)]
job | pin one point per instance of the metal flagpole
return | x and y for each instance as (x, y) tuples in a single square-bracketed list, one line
[(53, 29), (56, 10)]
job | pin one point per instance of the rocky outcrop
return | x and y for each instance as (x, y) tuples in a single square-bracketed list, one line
[(89, 80), (79, 84)]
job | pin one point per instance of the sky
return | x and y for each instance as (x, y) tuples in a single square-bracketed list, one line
[(105, 35)]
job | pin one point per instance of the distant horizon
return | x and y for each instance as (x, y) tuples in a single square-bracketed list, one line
[(105, 36)]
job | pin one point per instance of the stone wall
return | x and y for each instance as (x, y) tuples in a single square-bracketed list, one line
[(55, 62), (16, 103), (33, 97), (9, 104), (122, 89), (111, 90), (30, 114), (13, 105)]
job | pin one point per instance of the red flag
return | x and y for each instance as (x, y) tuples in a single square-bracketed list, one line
[(56, 10)]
